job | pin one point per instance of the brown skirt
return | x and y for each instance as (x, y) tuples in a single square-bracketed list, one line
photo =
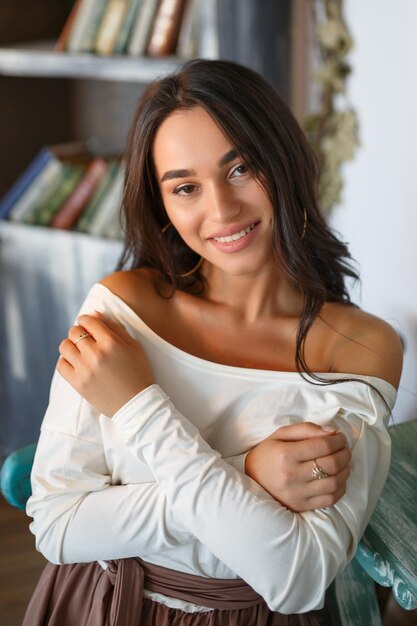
[(84, 594)]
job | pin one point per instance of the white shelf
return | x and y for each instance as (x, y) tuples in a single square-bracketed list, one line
[(39, 59), (11, 229)]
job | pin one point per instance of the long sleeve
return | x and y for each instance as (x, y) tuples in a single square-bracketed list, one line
[(79, 515), (290, 559)]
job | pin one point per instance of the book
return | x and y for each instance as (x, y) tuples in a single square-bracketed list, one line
[(126, 29), (79, 25), (48, 173), (47, 192), (24, 181), (73, 206), (43, 213), (88, 35), (188, 38), (62, 40), (164, 35), (48, 210), (110, 26), (142, 28), (100, 193), (109, 207), (47, 178)]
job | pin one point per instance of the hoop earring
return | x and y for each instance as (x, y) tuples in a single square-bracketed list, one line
[(195, 268), (304, 225)]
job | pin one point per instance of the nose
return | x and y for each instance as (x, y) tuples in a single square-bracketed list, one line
[(222, 203)]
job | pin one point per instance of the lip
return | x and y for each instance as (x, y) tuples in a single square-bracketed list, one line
[(239, 244), (231, 230)]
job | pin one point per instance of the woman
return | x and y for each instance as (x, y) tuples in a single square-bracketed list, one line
[(218, 409)]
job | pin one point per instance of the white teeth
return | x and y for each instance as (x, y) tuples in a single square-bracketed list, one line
[(235, 236)]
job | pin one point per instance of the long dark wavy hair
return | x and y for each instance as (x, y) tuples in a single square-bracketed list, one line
[(260, 126)]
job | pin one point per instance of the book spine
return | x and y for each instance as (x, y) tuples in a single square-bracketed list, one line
[(111, 205), (143, 27), (187, 45), (62, 40), (24, 181), (46, 211), (98, 197), (89, 35), (46, 179), (127, 26), (166, 27), (81, 25), (49, 191), (69, 212), (110, 26)]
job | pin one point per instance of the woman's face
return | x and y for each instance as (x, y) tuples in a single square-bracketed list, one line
[(216, 205)]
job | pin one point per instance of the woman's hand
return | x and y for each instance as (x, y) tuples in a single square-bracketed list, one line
[(283, 465), (108, 368)]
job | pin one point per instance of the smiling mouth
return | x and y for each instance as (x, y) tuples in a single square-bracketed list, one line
[(236, 236)]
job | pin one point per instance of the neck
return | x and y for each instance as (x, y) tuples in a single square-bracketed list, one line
[(253, 298)]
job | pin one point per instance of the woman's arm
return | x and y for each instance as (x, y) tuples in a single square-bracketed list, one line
[(289, 558), (79, 515)]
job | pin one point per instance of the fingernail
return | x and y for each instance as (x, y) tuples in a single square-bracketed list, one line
[(329, 429)]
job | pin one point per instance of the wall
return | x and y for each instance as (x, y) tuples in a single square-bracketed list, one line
[(378, 215)]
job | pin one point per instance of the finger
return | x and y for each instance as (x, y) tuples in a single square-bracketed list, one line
[(322, 502), (75, 333), (335, 463), (318, 447), (117, 327), (99, 325), (327, 486), (315, 494), (298, 432), (65, 368), (331, 464), (69, 352)]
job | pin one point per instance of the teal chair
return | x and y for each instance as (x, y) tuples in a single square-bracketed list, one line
[(15, 476), (386, 554)]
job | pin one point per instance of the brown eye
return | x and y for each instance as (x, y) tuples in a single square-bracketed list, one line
[(185, 190), (239, 170)]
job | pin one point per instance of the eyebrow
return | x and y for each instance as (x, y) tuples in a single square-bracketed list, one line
[(224, 160)]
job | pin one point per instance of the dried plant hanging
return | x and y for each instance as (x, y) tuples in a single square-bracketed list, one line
[(333, 129)]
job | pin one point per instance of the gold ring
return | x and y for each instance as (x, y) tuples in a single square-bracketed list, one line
[(318, 471), (83, 336)]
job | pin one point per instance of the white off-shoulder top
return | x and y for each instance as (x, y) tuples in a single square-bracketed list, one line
[(164, 478)]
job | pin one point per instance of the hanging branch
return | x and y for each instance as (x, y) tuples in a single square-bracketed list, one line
[(333, 129)]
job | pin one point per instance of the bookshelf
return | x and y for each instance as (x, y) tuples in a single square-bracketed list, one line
[(35, 77), (51, 97), (39, 59)]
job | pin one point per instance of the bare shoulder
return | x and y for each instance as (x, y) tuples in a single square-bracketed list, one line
[(363, 343), (137, 288)]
